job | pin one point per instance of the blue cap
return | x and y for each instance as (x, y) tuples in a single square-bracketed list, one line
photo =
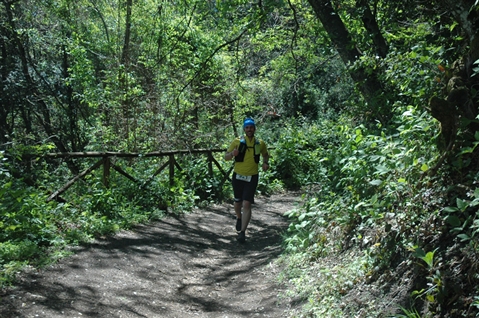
[(249, 122)]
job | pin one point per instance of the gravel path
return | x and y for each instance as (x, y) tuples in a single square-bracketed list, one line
[(188, 266)]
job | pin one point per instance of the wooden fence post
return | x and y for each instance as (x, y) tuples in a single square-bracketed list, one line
[(172, 169), (210, 164), (106, 171)]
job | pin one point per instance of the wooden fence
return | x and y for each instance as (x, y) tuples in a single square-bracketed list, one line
[(107, 163)]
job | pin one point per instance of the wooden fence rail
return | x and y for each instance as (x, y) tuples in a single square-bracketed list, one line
[(107, 164)]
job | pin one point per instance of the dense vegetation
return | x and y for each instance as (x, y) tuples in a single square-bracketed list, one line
[(370, 107)]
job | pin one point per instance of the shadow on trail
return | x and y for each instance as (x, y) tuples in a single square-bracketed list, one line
[(175, 267)]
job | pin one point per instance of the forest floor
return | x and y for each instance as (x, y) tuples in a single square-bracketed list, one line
[(179, 266)]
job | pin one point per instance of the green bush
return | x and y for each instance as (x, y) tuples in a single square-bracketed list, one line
[(18, 251), (373, 191), (296, 158)]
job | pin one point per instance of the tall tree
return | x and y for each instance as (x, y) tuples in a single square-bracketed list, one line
[(370, 23), (124, 70), (461, 80), (367, 82)]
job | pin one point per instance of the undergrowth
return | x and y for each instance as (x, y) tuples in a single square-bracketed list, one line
[(380, 210)]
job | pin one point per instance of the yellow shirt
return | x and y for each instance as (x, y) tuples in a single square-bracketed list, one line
[(248, 167)]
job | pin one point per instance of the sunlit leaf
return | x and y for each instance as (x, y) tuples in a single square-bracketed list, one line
[(464, 237), (382, 169), (429, 258), (462, 204)]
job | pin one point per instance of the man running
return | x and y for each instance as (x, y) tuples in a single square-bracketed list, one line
[(246, 151)]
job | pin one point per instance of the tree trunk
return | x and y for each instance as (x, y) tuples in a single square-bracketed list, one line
[(124, 69), (368, 84), (371, 25), (71, 111), (460, 90), (38, 100), (6, 106)]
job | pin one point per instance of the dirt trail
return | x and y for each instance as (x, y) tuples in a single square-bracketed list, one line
[(188, 266)]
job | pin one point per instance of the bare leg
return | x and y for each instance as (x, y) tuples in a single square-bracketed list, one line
[(238, 206), (246, 215)]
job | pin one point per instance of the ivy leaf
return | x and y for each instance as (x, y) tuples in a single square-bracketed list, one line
[(376, 182), (380, 169), (475, 69), (474, 202), (451, 27), (419, 252), (462, 204), (453, 220), (429, 258), (466, 150), (450, 209)]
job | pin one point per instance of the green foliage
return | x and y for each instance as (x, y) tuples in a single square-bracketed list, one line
[(18, 251), (35, 232), (475, 303), (355, 179), (378, 191), (409, 313), (22, 215), (464, 217), (428, 257), (369, 194), (435, 291), (297, 149), (198, 180), (321, 284)]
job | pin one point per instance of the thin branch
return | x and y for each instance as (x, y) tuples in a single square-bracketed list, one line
[(197, 73), (295, 35), (102, 20)]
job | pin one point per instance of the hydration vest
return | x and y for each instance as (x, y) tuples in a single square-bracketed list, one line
[(243, 147)]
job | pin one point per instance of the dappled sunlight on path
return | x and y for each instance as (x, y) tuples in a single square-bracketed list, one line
[(177, 267)]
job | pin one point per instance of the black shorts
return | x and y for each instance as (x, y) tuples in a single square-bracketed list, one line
[(244, 190)]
